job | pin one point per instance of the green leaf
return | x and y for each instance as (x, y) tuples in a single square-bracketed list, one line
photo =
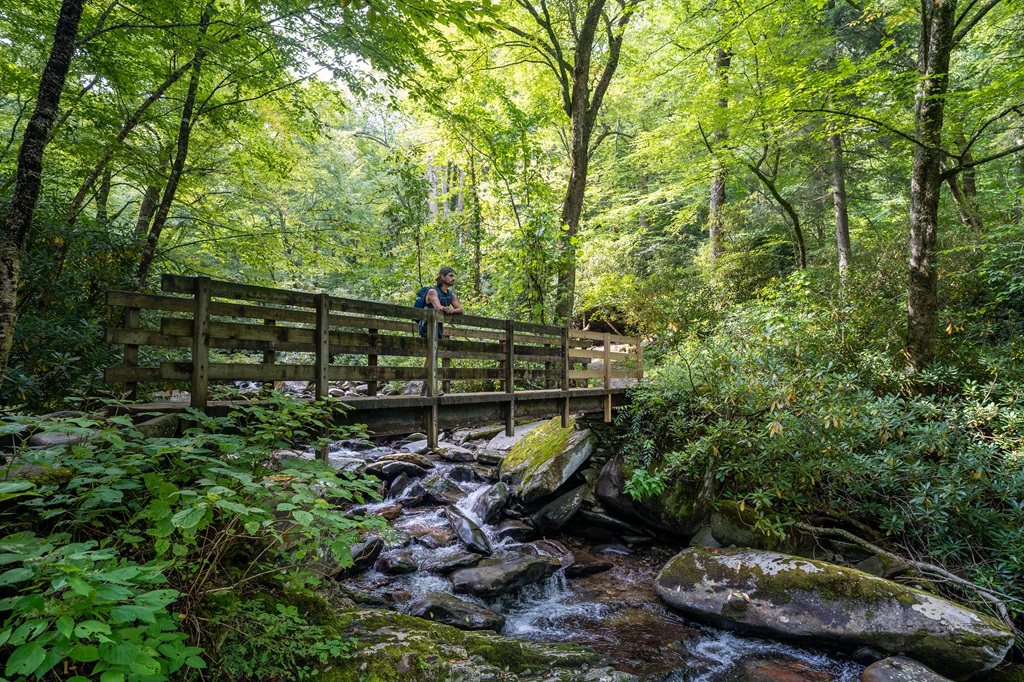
[(112, 676), (130, 613), (90, 627), (85, 653), (303, 517), (16, 575), (25, 659), (66, 626), (188, 518)]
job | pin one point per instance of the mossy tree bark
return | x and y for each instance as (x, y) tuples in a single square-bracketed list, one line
[(29, 175)]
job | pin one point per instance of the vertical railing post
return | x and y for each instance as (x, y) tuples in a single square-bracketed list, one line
[(510, 377), (323, 346), (371, 361), (322, 358), (131, 351), (200, 390), (269, 356), (565, 377), (607, 377), (446, 364), (431, 415)]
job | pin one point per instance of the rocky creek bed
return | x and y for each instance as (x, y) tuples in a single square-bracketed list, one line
[(504, 562)]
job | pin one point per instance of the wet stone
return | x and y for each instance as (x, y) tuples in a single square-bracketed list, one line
[(400, 563), (445, 564), (418, 460), (358, 444), (390, 512), (389, 471), (364, 555), (414, 495), (510, 529), (490, 457), (454, 453), (758, 670), (444, 608), (463, 474), (441, 491), (436, 538), (899, 669), (418, 447), (557, 513), (468, 532), (398, 485), (500, 578), (550, 548), (491, 502)]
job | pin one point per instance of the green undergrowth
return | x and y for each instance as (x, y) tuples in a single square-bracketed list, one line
[(799, 409), (126, 557)]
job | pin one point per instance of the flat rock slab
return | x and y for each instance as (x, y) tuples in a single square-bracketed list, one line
[(444, 608), (788, 597), (503, 442)]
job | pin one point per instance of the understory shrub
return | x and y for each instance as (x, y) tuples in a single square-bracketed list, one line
[(796, 416), (114, 545)]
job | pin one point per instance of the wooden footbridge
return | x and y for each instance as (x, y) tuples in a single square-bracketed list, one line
[(202, 332)]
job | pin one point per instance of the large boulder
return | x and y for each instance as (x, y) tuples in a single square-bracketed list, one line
[(490, 502), (545, 459), (444, 608), (498, 578), (680, 509), (503, 442), (787, 597), (556, 513)]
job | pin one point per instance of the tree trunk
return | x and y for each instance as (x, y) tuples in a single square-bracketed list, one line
[(178, 166), (839, 200), (29, 175), (583, 105), (936, 45), (476, 213), (716, 205), (102, 195)]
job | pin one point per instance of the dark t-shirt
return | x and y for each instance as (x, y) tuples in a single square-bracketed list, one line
[(445, 299)]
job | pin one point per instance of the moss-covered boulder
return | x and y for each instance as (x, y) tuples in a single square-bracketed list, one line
[(678, 510), (899, 669), (545, 459), (788, 597), (393, 647)]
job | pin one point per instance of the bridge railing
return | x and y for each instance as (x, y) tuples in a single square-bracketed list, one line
[(240, 332)]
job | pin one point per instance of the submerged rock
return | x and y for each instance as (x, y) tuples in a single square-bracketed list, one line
[(491, 502), (447, 563), (510, 529), (400, 563), (499, 578), (788, 597), (468, 532), (444, 608), (545, 459), (899, 669)]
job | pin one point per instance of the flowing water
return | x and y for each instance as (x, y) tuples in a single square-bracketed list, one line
[(615, 612)]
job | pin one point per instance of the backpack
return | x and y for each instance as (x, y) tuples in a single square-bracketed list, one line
[(421, 302)]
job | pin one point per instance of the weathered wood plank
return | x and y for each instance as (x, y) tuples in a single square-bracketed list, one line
[(323, 352), (242, 292), (126, 375), (598, 354), (599, 374), (353, 305), (146, 337), (199, 387), (600, 336), (128, 299)]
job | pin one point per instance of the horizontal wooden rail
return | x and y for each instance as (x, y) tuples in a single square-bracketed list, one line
[(303, 336)]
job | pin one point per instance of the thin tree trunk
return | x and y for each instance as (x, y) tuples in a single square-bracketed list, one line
[(716, 205), (102, 195), (178, 166), (936, 45), (29, 175), (839, 200), (794, 217), (476, 211), (964, 206)]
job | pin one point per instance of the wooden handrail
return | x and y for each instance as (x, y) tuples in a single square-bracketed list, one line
[(209, 316)]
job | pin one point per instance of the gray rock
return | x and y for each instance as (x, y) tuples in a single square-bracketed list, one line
[(407, 457), (292, 386), (463, 435), (399, 563), (545, 459), (364, 555), (389, 471), (705, 538), (53, 439), (611, 550), (467, 531), (442, 491), (454, 453), (464, 474), (883, 567), (164, 426), (783, 596), (445, 563), (418, 447), (352, 465), (503, 442), (413, 388), (583, 569), (491, 457), (899, 669), (444, 608), (556, 513), (517, 531), (550, 548), (491, 502), (496, 579)]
